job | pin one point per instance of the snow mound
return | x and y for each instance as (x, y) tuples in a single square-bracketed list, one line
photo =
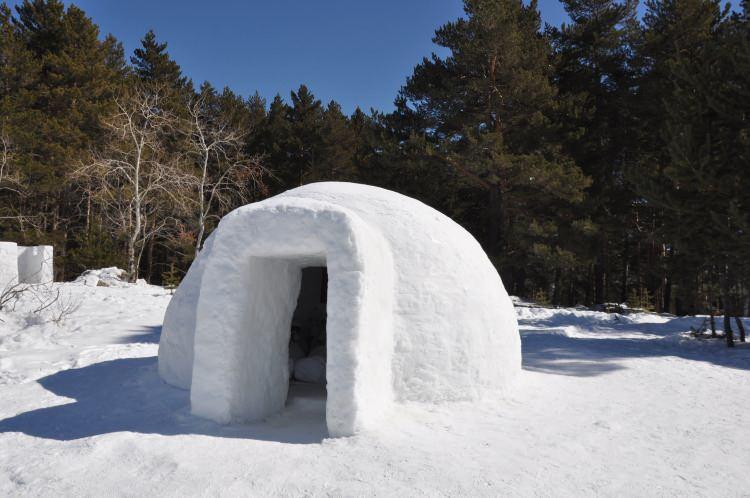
[(415, 310), (106, 277)]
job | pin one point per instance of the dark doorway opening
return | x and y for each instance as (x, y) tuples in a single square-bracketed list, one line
[(307, 344)]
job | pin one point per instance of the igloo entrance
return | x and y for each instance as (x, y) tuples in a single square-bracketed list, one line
[(249, 289), (307, 344), (306, 399)]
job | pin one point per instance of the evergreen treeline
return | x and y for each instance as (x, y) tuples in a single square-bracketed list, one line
[(602, 161)]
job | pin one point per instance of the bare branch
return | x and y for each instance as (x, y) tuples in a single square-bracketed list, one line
[(225, 176), (135, 176)]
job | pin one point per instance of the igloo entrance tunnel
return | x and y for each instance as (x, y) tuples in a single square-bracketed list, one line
[(415, 310)]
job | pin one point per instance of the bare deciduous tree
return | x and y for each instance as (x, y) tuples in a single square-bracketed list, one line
[(6, 156), (11, 183), (134, 176), (10, 179), (226, 176)]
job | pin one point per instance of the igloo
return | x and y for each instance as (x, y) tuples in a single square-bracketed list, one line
[(415, 311)]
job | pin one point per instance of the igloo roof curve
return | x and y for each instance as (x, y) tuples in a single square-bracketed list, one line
[(416, 311)]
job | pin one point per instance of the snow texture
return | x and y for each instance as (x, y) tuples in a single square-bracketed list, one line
[(606, 405), (35, 264), (416, 311), (8, 264), (105, 277)]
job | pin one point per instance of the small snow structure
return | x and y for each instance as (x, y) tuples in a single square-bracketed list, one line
[(35, 264), (415, 310), (8, 265), (25, 264)]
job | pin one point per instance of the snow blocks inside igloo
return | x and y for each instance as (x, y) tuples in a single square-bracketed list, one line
[(415, 310)]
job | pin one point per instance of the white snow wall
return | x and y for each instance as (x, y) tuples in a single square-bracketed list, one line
[(240, 369), (25, 264), (35, 264), (408, 287), (8, 264), (178, 330)]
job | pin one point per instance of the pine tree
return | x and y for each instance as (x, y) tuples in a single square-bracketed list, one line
[(486, 111), (306, 142), (339, 144), (155, 71), (594, 76), (270, 139), (708, 145), (256, 108), (152, 64), (17, 70), (671, 29), (305, 116), (57, 103)]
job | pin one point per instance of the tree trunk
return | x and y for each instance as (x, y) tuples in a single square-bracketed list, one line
[(726, 300), (600, 278), (88, 212), (495, 220), (571, 295), (133, 240), (59, 270), (139, 257), (728, 334), (201, 231), (132, 271), (556, 289), (590, 297), (625, 272), (137, 214), (520, 282), (713, 322), (202, 208), (150, 254), (740, 327)]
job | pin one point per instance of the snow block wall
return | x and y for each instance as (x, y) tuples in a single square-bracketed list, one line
[(415, 310), (35, 264), (8, 264)]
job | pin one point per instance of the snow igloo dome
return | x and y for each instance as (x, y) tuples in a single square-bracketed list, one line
[(412, 308)]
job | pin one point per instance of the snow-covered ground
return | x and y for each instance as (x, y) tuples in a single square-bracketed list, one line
[(607, 405)]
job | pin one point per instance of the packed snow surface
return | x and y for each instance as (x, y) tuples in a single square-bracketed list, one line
[(415, 310), (606, 405)]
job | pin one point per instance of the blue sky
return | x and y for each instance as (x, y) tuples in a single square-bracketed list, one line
[(354, 51)]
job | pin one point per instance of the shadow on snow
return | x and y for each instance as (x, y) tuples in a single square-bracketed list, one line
[(149, 334), (548, 348), (127, 395)]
